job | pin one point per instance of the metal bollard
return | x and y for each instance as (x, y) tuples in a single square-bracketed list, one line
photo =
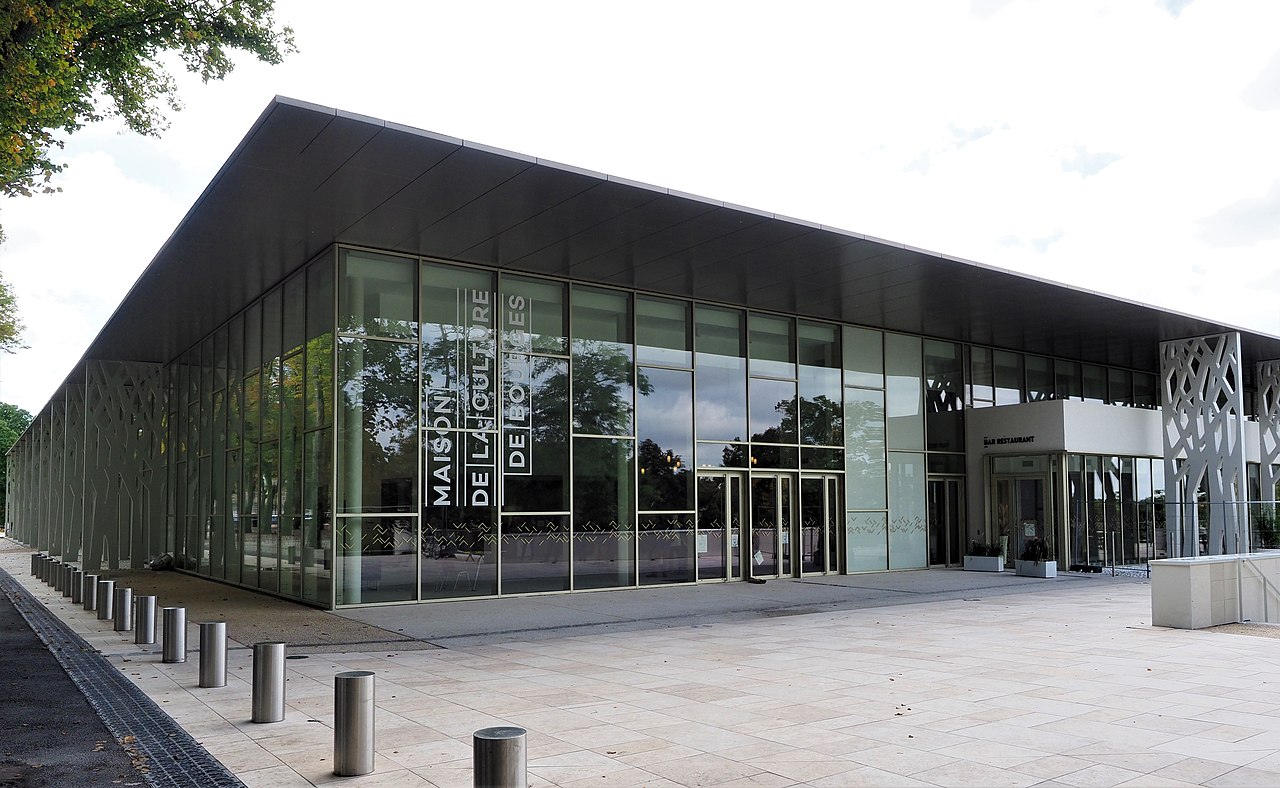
[(40, 565), (213, 654), (123, 604), (35, 564), (106, 600), (499, 758), (77, 586), (54, 575), (268, 682), (175, 635), (90, 594), (144, 620), (68, 578), (353, 711)]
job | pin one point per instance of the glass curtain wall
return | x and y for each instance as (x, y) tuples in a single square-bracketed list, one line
[(904, 412), (535, 400), (1002, 377), (865, 457), (668, 543), (376, 535), (944, 397), (461, 442), (1115, 511), (604, 486), (251, 421), (509, 434)]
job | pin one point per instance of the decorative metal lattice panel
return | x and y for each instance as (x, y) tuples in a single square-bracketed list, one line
[(1267, 380), (124, 474), (1202, 403), (73, 474)]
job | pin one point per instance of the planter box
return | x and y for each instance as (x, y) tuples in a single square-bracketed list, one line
[(984, 563), (1036, 568)]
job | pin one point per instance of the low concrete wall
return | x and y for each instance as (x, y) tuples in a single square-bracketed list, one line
[(1193, 593)]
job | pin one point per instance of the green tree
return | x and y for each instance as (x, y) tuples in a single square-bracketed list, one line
[(61, 61), (65, 63), (10, 324), (13, 422)]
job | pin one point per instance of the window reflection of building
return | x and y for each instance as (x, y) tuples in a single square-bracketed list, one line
[(511, 434)]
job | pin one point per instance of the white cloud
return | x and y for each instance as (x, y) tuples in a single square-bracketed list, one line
[(1246, 222), (1086, 162), (1264, 92)]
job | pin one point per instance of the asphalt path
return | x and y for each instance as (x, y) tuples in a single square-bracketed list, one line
[(49, 735)]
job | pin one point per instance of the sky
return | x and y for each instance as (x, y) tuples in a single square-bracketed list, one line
[(1130, 147)]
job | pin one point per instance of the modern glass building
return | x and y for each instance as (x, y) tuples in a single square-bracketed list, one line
[(377, 365)]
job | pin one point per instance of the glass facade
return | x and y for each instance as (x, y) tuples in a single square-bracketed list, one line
[(1115, 510), (381, 428), (251, 421)]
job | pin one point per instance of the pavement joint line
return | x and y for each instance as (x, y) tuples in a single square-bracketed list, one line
[(173, 757)]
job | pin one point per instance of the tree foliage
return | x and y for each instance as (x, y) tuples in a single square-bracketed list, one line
[(65, 63), (13, 422), (10, 324)]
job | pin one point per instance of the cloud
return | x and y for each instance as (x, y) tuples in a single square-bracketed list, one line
[(985, 9), (1087, 163), (1039, 244), (965, 136), (1042, 245), (919, 164), (1245, 222), (1264, 92), (1174, 7)]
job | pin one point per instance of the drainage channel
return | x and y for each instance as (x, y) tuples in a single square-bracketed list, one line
[(173, 758)]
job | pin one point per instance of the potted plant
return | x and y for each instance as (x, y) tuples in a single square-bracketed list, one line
[(984, 557), (1036, 559)]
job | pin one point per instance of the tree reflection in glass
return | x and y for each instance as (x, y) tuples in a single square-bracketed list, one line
[(377, 446)]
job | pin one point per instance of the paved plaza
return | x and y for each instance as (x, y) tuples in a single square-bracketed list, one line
[(936, 678)]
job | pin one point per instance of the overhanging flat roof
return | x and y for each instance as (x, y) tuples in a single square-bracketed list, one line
[(307, 176)]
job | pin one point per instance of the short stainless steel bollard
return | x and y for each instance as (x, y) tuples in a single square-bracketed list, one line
[(353, 711), (35, 564), (54, 576), (106, 600), (90, 594), (77, 586), (40, 565), (144, 620), (268, 682), (500, 758), (68, 579), (123, 614), (213, 653), (175, 635)]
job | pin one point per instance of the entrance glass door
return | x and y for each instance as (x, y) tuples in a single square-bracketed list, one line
[(1020, 513), (771, 525), (946, 521), (819, 524), (719, 535)]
